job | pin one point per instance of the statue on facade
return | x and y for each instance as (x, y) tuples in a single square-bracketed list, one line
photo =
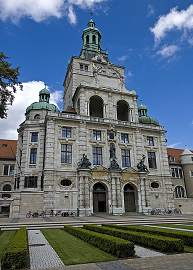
[(84, 163), (141, 166), (112, 151), (114, 165)]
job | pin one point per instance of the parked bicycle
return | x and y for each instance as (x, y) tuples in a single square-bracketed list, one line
[(55, 213), (35, 214)]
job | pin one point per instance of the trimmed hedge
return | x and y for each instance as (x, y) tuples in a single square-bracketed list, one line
[(119, 247), (165, 244), (16, 254), (187, 237)]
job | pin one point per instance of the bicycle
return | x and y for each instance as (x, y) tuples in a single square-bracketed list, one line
[(30, 214), (54, 213)]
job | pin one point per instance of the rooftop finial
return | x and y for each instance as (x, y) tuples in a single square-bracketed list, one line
[(45, 84), (91, 14), (141, 101)]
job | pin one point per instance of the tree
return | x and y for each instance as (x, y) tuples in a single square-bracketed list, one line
[(8, 83)]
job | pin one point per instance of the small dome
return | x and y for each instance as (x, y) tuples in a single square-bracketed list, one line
[(142, 107), (43, 103), (44, 92), (148, 120)]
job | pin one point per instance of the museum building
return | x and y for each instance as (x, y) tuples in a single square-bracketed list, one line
[(102, 153)]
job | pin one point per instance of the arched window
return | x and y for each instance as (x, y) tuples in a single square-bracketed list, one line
[(96, 107), (128, 187), (87, 39), (122, 110), (179, 192), (94, 39), (99, 187), (7, 188), (37, 116)]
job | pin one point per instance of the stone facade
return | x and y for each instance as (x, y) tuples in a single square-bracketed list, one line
[(100, 120)]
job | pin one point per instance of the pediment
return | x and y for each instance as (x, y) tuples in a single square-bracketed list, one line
[(99, 168), (130, 170)]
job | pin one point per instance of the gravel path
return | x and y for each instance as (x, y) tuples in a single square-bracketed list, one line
[(42, 255), (144, 252)]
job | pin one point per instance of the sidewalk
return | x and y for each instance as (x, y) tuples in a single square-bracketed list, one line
[(169, 262)]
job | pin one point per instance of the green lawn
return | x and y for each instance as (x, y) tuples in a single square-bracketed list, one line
[(5, 239), (72, 250)]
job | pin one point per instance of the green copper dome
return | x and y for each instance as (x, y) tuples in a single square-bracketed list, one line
[(143, 118), (44, 96)]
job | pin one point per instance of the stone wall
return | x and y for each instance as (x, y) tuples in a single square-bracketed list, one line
[(186, 205), (31, 202)]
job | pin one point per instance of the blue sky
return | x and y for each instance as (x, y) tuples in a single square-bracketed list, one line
[(153, 40)]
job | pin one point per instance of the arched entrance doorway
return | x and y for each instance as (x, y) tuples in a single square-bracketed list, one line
[(129, 198), (99, 198)]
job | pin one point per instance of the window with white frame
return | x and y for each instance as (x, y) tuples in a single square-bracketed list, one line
[(97, 135), (179, 192), (191, 173), (172, 159), (8, 170), (150, 141), (124, 138), (66, 132), (176, 172)]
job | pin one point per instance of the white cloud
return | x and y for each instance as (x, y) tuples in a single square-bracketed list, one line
[(129, 74), (150, 10), (41, 10), (173, 145), (168, 51), (122, 58), (16, 112), (174, 20)]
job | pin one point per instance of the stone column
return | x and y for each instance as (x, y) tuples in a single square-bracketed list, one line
[(84, 192), (142, 177)]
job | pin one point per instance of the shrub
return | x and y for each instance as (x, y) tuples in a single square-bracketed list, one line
[(187, 237), (119, 247), (165, 244), (17, 252)]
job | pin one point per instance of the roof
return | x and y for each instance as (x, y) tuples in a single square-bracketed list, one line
[(173, 152), (8, 149)]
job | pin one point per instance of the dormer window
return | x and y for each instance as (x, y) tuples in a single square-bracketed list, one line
[(172, 159)]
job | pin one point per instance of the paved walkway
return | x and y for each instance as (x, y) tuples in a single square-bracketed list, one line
[(170, 262), (42, 255)]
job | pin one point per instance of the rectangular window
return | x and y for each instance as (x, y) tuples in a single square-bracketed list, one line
[(86, 68), (150, 141), (152, 160), (33, 155), (172, 159), (30, 182), (66, 132), (192, 158), (173, 172), (180, 173), (176, 172), (96, 135), (111, 136), (34, 137), (125, 154), (191, 173), (124, 138), (66, 153), (97, 155), (81, 67), (6, 170), (11, 171)]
